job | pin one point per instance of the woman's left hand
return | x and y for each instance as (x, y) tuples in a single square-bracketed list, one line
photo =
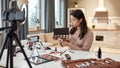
[(65, 43)]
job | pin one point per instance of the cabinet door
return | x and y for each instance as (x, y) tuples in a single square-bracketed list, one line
[(69, 23), (109, 39)]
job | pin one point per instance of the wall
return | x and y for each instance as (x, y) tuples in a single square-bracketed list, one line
[(90, 5), (112, 7)]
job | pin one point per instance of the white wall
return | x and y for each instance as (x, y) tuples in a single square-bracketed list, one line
[(112, 7)]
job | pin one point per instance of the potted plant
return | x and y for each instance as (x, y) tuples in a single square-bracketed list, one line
[(76, 4), (38, 26)]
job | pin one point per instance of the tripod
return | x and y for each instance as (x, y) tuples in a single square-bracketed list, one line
[(8, 43)]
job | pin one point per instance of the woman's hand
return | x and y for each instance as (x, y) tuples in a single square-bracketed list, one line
[(65, 42)]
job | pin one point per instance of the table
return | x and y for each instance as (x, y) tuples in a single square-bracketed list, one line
[(19, 61)]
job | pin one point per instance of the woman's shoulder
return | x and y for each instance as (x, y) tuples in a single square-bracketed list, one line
[(89, 33)]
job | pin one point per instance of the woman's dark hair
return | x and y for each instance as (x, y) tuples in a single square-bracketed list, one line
[(83, 26)]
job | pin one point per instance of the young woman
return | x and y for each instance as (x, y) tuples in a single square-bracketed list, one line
[(81, 37)]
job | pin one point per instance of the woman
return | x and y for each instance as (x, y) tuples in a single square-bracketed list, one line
[(81, 37)]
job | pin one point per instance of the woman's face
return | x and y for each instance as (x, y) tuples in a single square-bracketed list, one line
[(76, 22)]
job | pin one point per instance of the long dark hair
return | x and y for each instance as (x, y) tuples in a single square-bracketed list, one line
[(83, 26)]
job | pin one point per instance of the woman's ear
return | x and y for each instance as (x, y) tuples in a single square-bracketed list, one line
[(80, 20)]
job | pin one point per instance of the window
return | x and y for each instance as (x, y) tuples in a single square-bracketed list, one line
[(60, 13), (57, 13), (42, 14), (33, 13), (36, 11)]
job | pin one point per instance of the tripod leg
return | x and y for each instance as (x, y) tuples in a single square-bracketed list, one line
[(7, 61), (15, 36), (32, 51), (3, 45), (35, 48), (11, 51), (42, 47), (38, 52)]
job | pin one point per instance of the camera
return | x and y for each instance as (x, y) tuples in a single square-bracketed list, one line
[(13, 14)]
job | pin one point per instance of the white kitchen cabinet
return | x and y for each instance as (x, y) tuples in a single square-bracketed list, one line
[(110, 38)]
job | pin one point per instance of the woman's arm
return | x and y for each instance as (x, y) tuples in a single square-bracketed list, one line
[(86, 43)]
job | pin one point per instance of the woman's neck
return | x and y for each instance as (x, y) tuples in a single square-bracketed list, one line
[(78, 28)]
